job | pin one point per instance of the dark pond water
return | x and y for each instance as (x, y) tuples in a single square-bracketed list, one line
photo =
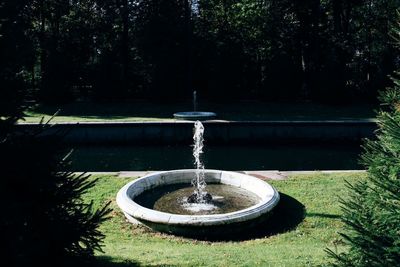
[(225, 157), (173, 199)]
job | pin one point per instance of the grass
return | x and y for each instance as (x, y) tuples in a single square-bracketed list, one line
[(237, 111), (299, 244)]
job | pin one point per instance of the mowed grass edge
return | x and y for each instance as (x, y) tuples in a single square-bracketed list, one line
[(234, 111)]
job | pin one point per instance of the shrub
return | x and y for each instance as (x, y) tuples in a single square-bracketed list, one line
[(372, 212), (44, 218)]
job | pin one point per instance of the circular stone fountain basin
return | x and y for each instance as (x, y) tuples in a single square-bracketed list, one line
[(198, 225), (195, 115)]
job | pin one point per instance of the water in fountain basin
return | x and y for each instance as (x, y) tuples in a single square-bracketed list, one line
[(173, 199), (200, 194)]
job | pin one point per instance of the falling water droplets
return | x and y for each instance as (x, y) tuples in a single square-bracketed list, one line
[(198, 181)]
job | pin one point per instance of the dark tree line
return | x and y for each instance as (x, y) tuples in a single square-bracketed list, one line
[(61, 50)]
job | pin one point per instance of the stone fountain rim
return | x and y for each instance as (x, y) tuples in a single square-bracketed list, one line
[(133, 210)]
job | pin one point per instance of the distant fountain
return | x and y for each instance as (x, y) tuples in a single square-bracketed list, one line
[(200, 194), (195, 115)]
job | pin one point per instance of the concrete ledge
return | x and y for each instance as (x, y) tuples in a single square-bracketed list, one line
[(263, 175), (221, 132)]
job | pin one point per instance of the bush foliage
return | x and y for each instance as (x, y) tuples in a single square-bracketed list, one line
[(372, 212), (44, 218)]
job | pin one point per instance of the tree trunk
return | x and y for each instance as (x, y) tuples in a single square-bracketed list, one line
[(188, 47), (309, 15), (42, 38), (125, 45)]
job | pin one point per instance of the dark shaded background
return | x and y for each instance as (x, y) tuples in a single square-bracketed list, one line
[(336, 51)]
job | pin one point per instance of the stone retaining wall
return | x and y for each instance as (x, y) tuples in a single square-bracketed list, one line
[(223, 132)]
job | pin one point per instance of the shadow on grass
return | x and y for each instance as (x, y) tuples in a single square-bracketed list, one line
[(323, 215), (107, 261), (286, 216)]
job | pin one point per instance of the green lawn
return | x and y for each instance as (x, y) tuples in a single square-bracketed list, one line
[(292, 242), (236, 111)]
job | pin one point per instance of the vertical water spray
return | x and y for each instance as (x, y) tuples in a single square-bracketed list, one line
[(199, 195), (195, 104), (198, 139)]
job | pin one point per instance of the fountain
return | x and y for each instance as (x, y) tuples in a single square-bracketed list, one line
[(197, 202), (195, 115)]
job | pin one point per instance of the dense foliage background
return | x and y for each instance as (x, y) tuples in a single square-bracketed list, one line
[(320, 50)]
